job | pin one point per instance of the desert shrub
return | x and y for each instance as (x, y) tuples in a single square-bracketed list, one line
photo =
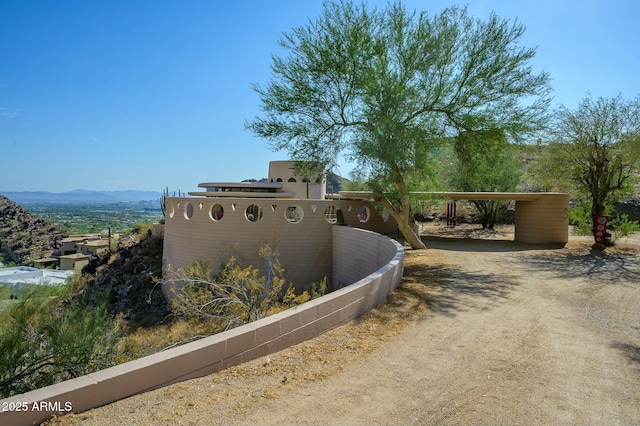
[(317, 289), (238, 294), (44, 340), (580, 217), (618, 227), (622, 227)]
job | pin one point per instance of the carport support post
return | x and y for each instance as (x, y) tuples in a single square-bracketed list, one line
[(451, 214)]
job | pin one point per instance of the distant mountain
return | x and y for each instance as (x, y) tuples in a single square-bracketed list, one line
[(82, 196)]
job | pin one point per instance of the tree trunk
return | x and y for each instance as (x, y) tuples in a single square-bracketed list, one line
[(597, 209), (412, 238), (403, 215)]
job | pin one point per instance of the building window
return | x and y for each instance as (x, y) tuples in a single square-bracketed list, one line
[(253, 213), (363, 214), (216, 212), (188, 211), (293, 214), (330, 214), (291, 180)]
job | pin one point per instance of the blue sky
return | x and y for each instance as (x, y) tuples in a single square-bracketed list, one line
[(114, 95)]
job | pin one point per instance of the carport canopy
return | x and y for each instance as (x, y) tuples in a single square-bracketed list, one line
[(540, 217)]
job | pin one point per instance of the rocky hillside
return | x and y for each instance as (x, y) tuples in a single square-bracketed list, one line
[(630, 205), (23, 236), (128, 276)]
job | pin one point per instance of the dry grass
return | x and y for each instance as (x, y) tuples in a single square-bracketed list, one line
[(307, 362)]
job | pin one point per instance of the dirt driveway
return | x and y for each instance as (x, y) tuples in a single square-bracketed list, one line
[(480, 332)]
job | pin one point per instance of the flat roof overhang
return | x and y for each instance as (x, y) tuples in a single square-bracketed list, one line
[(255, 185), (240, 194)]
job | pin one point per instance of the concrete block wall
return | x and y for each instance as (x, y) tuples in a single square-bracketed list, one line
[(191, 233), (245, 343), (543, 220)]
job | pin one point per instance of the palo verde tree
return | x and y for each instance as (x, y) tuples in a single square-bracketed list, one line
[(485, 162), (597, 149), (384, 87)]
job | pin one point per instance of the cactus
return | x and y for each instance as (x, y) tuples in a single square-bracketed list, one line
[(163, 201)]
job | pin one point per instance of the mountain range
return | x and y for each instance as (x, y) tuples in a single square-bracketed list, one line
[(82, 196), (87, 196)]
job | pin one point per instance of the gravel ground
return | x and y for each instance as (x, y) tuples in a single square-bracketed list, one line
[(482, 330)]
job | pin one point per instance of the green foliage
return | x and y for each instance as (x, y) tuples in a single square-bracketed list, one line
[(389, 86), (618, 227), (44, 340), (580, 218), (318, 289), (6, 292), (622, 227), (356, 182), (485, 163), (3, 262), (595, 153), (237, 295)]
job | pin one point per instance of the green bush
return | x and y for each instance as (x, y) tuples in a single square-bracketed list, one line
[(618, 227), (318, 289), (47, 339), (622, 227), (580, 218), (237, 295), (6, 292)]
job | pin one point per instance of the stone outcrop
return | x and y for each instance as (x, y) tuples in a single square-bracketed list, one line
[(630, 205), (23, 236)]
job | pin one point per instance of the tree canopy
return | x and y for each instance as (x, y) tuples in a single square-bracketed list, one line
[(595, 150), (385, 87), (485, 163)]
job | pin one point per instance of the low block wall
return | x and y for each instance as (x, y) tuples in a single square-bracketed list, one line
[(382, 255)]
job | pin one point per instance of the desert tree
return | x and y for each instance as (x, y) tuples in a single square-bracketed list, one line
[(596, 150), (484, 161), (384, 87)]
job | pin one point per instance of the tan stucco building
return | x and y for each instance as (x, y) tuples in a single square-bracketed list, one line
[(289, 211), (295, 214)]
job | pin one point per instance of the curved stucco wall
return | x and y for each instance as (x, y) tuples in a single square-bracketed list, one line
[(382, 256), (304, 247)]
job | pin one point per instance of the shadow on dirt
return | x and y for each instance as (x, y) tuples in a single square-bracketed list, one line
[(632, 352), (479, 245), (619, 266), (447, 291)]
